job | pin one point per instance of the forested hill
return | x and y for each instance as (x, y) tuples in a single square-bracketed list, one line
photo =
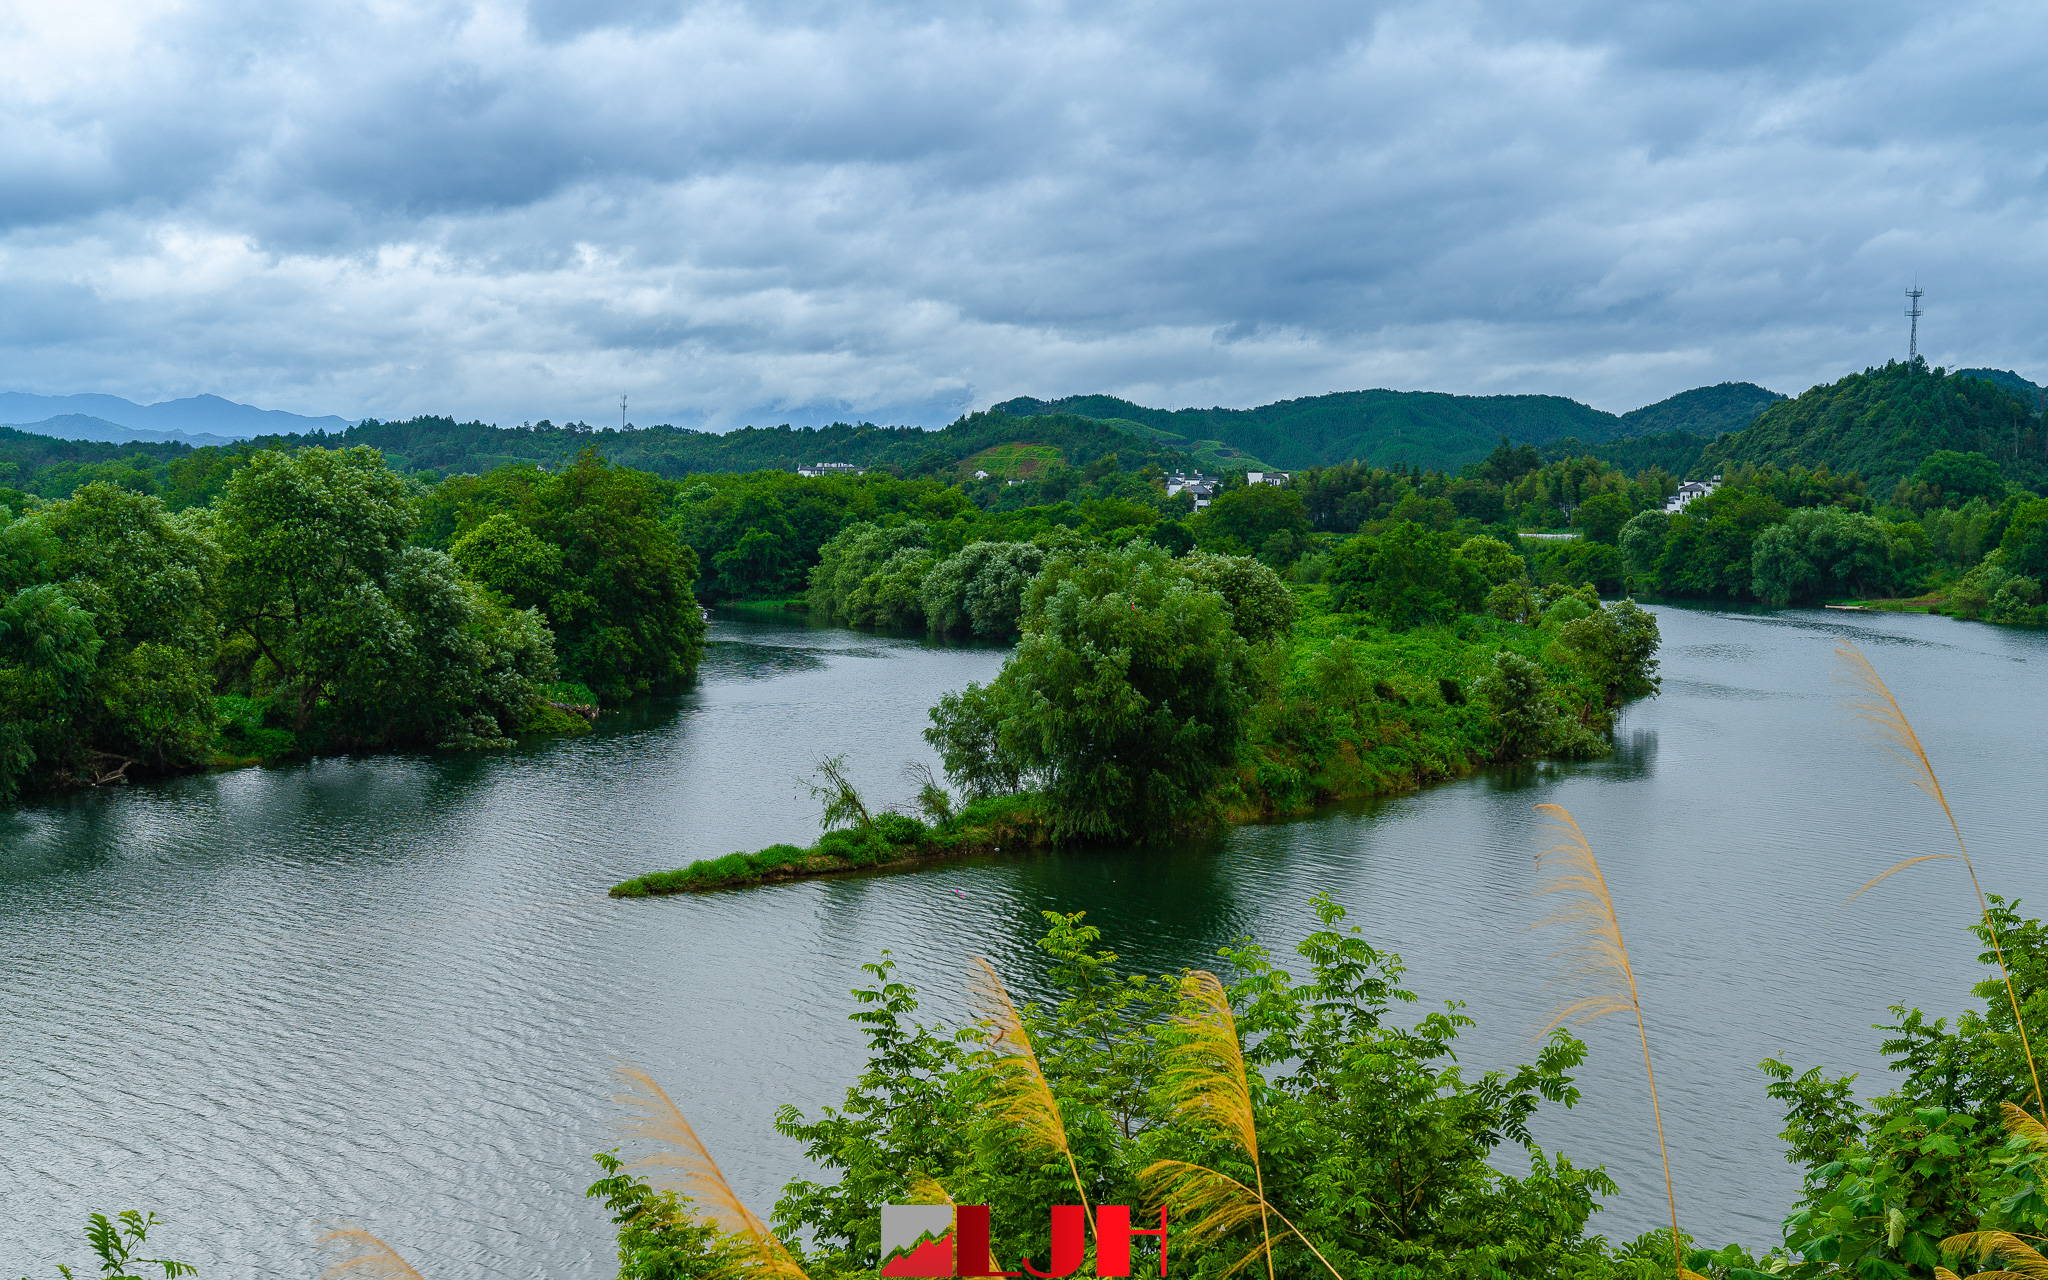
[(1432, 429), (1884, 422), (1003, 446), (1702, 411), (2025, 390), (441, 444)]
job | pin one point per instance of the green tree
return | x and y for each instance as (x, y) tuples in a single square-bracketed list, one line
[(1386, 1154), (1240, 521), (625, 620), (980, 588), (1406, 575), (660, 1238), (2025, 542), (49, 653), (1818, 551), (365, 639), (1124, 700), (308, 540), (1601, 517), (1642, 547), (1262, 609), (1495, 561), (1957, 477), (874, 575), (510, 559), (149, 579)]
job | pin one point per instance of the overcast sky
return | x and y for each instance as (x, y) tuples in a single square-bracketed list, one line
[(897, 210)]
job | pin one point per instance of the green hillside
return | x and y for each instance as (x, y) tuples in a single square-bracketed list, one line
[(442, 446), (1702, 411), (1884, 422), (1430, 429), (2027, 391)]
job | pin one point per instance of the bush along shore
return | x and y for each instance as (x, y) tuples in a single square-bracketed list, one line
[(1152, 696)]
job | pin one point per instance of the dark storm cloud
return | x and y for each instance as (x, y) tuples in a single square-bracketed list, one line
[(897, 210)]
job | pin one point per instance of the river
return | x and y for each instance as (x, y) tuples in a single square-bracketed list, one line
[(390, 989)]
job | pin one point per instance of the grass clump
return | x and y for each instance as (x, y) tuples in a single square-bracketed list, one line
[(858, 839)]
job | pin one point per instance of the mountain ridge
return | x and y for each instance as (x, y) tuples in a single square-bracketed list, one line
[(1432, 429), (189, 416), (79, 426)]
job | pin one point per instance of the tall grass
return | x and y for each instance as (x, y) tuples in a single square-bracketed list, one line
[(1875, 707), (1019, 1090), (691, 1173), (1204, 1081), (1596, 961), (2021, 1258)]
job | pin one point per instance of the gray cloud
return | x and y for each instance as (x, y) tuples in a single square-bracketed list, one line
[(790, 211)]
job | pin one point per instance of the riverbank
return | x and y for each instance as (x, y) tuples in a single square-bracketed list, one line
[(1351, 710)]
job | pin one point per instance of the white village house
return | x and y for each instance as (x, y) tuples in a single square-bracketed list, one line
[(1199, 486), (817, 469), (1690, 490)]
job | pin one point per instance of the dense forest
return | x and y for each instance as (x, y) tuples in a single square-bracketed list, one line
[(165, 607), (1428, 429), (302, 611)]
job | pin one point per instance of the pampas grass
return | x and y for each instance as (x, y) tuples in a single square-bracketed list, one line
[(1204, 1081), (1875, 707), (1020, 1094), (693, 1174), (1596, 961), (2020, 1257), (362, 1256)]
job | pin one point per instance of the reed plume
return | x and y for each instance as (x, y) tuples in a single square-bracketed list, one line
[(1875, 707), (694, 1175), (362, 1256), (2020, 1257), (1597, 962), (1020, 1095), (1204, 1081), (925, 1189)]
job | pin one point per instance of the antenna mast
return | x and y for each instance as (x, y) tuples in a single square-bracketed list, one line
[(622, 406), (1913, 313)]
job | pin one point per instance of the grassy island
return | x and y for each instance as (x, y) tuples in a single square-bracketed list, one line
[(1151, 696)]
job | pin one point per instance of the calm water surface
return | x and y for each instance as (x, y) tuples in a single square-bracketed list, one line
[(391, 990)]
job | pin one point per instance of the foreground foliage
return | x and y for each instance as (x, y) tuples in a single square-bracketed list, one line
[(1365, 1134)]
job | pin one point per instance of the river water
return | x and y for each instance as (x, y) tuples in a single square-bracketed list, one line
[(390, 989)]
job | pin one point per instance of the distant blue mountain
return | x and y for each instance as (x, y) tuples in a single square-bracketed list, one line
[(188, 418), (79, 426)]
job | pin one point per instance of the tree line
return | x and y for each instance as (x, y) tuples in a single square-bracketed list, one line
[(302, 610)]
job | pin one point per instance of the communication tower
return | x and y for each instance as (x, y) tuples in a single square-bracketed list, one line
[(622, 405), (1913, 314)]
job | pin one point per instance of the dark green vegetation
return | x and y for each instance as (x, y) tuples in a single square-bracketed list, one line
[(1427, 429), (167, 605), (1151, 695), (1339, 1140), (322, 602), (1882, 423), (1703, 411)]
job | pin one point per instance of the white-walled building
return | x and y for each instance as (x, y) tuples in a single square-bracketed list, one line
[(1690, 490)]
